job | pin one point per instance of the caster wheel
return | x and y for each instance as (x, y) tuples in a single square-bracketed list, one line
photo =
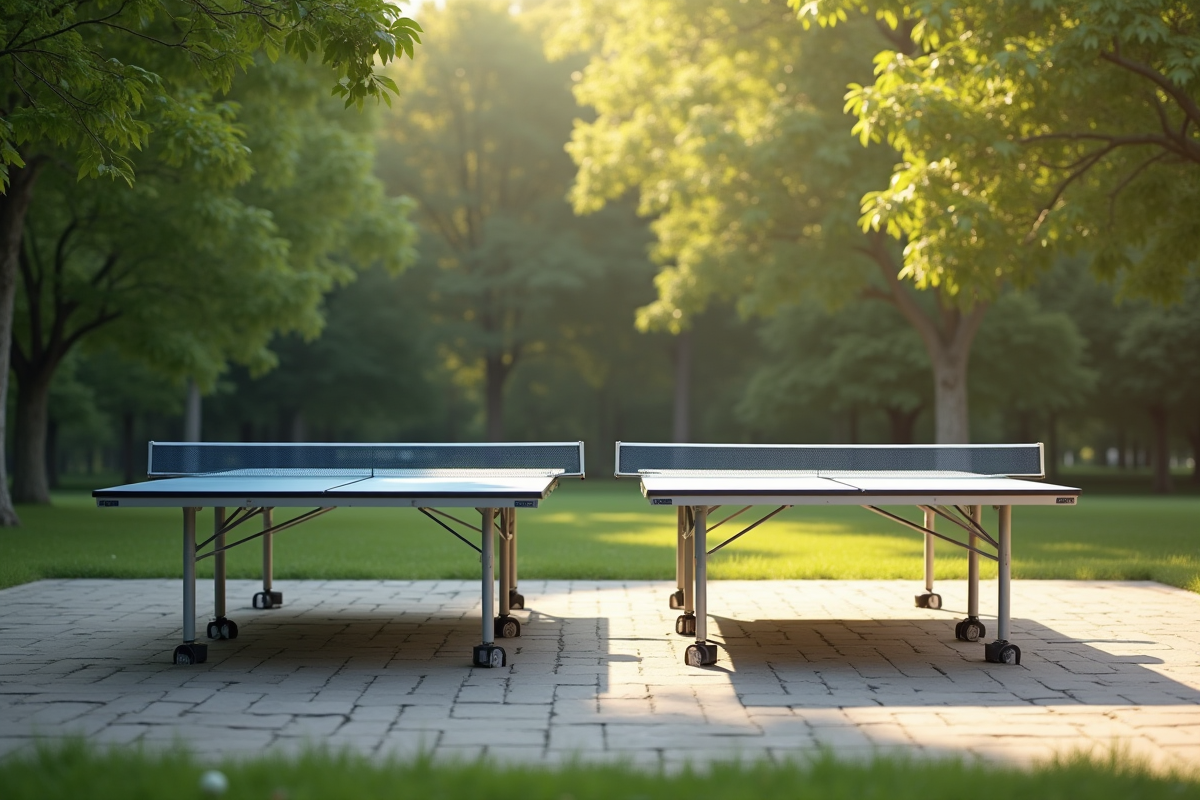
[(700, 655), (969, 630), (188, 654), (507, 628), (489, 656), (676, 599), (516, 599), (685, 625), (929, 600), (1002, 653), (267, 600), (229, 629), (213, 630)]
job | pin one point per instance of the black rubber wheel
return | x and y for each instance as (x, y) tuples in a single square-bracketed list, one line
[(685, 625), (973, 630), (229, 629), (516, 599), (1010, 654), (187, 654), (489, 656), (676, 600), (935, 601), (213, 630), (958, 630), (261, 600), (700, 655), (507, 628)]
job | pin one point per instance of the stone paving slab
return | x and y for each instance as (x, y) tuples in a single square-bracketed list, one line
[(383, 668)]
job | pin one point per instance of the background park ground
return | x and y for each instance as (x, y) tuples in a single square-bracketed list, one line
[(603, 529)]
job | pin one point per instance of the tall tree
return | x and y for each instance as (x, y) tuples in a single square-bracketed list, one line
[(727, 120), (90, 82), (477, 141), (1026, 126), (198, 262)]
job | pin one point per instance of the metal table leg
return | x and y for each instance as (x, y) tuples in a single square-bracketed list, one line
[(515, 598), (971, 629), (191, 651), (929, 599), (220, 627), (1000, 651), (676, 599), (268, 598), (685, 623), (701, 653), (506, 625), (488, 654)]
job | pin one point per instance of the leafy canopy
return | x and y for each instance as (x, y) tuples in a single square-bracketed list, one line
[(1030, 125), (77, 72)]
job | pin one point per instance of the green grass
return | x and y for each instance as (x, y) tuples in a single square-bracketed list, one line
[(604, 529), (75, 771)]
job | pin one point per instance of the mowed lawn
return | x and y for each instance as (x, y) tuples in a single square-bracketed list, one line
[(604, 530)]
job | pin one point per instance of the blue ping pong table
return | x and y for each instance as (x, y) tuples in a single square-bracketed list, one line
[(950, 482), (243, 481)]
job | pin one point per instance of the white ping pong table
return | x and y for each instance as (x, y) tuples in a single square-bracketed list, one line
[(243, 481), (950, 482)]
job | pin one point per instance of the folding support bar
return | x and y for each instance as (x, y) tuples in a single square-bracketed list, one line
[(712, 528), (973, 516), (455, 533), (229, 524), (967, 522), (466, 525), (746, 530), (922, 529), (291, 523)]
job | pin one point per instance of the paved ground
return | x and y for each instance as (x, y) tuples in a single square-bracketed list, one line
[(383, 667)]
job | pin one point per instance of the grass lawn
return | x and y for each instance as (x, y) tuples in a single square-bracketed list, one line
[(74, 772), (604, 529)]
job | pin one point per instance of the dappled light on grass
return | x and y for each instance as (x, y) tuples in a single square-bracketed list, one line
[(611, 532)]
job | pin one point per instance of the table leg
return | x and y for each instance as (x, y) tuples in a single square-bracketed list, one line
[(191, 651), (701, 653), (676, 599), (268, 598), (1000, 651), (506, 625), (929, 599), (971, 629), (685, 623), (488, 654)]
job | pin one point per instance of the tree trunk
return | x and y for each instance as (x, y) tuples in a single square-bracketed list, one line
[(52, 454), (495, 376), (1161, 450), (192, 413), (903, 424), (948, 334), (682, 416), (14, 204), (127, 445), (29, 438)]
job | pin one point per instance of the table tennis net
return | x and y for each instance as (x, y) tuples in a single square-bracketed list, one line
[(176, 459), (1019, 460)]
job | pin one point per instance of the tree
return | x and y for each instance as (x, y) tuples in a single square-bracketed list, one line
[(727, 121), (1028, 126), (1160, 371), (89, 83), (477, 141), (198, 263)]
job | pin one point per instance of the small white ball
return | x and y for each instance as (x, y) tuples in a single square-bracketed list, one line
[(214, 782)]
